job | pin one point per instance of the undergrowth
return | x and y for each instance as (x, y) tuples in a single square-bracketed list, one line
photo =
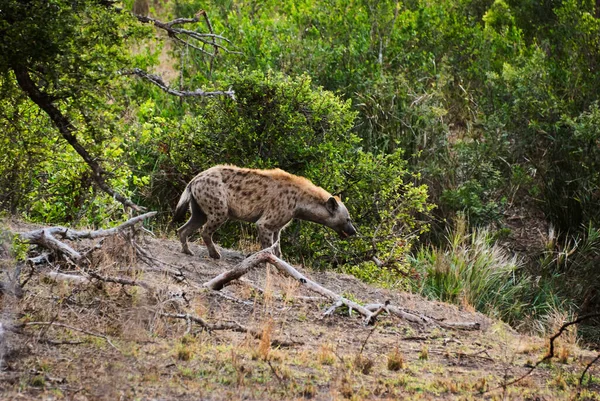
[(473, 271)]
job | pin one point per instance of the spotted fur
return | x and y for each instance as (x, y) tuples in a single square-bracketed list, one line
[(269, 198)]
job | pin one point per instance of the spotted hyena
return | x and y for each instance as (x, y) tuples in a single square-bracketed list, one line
[(269, 198)]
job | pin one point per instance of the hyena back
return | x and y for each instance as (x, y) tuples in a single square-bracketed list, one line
[(269, 198)]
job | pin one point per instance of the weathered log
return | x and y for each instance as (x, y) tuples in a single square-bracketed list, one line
[(70, 234), (244, 267)]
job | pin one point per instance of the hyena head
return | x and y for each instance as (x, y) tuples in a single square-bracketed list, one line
[(339, 218)]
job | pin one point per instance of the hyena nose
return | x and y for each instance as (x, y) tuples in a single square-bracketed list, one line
[(350, 230)]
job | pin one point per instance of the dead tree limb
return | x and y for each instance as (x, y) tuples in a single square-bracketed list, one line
[(314, 287), (90, 333), (45, 236), (233, 326), (244, 267), (266, 255), (121, 280), (422, 319), (188, 38), (70, 234), (156, 80), (177, 33)]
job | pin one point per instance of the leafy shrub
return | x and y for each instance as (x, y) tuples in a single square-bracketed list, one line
[(278, 121)]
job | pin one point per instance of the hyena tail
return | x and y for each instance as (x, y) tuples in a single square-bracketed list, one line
[(182, 205)]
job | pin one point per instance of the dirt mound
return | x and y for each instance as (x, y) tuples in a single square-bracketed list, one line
[(139, 338)]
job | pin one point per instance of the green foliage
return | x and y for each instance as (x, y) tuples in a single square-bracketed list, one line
[(74, 51), (473, 271), (278, 121), (491, 103)]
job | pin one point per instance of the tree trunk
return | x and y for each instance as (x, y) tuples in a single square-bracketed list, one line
[(45, 102)]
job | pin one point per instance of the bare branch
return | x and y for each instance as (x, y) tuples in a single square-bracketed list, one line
[(70, 234), (313, 286), (45, 236), (550, 353), (420, 318), (244, 267), (156, 80), (176, 33), (121, 280), (90, 333), (233, 326)]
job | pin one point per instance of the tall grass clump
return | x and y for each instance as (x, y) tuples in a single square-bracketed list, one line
[(473, 271)]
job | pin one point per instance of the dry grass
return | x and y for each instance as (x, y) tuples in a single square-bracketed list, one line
[(164, 358), (395, 360)]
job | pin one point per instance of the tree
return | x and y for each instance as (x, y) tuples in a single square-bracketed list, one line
[(67, 56)]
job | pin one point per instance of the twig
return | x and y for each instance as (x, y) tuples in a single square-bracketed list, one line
[(275, 372), (588, 366), (550, 353), (121, 280), (90, 333), (362, 347)]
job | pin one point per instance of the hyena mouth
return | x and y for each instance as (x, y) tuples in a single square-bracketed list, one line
[(345, 234)]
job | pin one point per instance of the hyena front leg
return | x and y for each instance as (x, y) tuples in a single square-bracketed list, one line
[(265, 235), (197, 219), (276, 238)]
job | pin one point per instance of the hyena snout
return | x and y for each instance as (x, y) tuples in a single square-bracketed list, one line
[(346, 230)]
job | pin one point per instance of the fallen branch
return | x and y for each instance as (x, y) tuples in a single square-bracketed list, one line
[(70, 234), (244, 267), (121, 280), (90, 333), (422, 319), (74, 278), (313, 286), (46, 236), (233, 326)]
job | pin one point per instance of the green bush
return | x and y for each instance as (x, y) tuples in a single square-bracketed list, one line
[(278, 121)]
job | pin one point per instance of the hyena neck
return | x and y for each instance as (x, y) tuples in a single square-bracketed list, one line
[(311, 209)]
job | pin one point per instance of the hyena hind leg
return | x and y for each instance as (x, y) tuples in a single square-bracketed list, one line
[(197, 220), (214, 222)]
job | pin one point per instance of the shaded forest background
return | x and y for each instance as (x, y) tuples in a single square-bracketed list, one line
[(463, 136)]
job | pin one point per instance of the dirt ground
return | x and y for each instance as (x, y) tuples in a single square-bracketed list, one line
[(98, 340)]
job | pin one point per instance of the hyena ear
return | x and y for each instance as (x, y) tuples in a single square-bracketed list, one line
[(331, 205)]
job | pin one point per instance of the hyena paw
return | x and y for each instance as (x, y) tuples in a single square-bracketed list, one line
[(214, 255), (187, 251)]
